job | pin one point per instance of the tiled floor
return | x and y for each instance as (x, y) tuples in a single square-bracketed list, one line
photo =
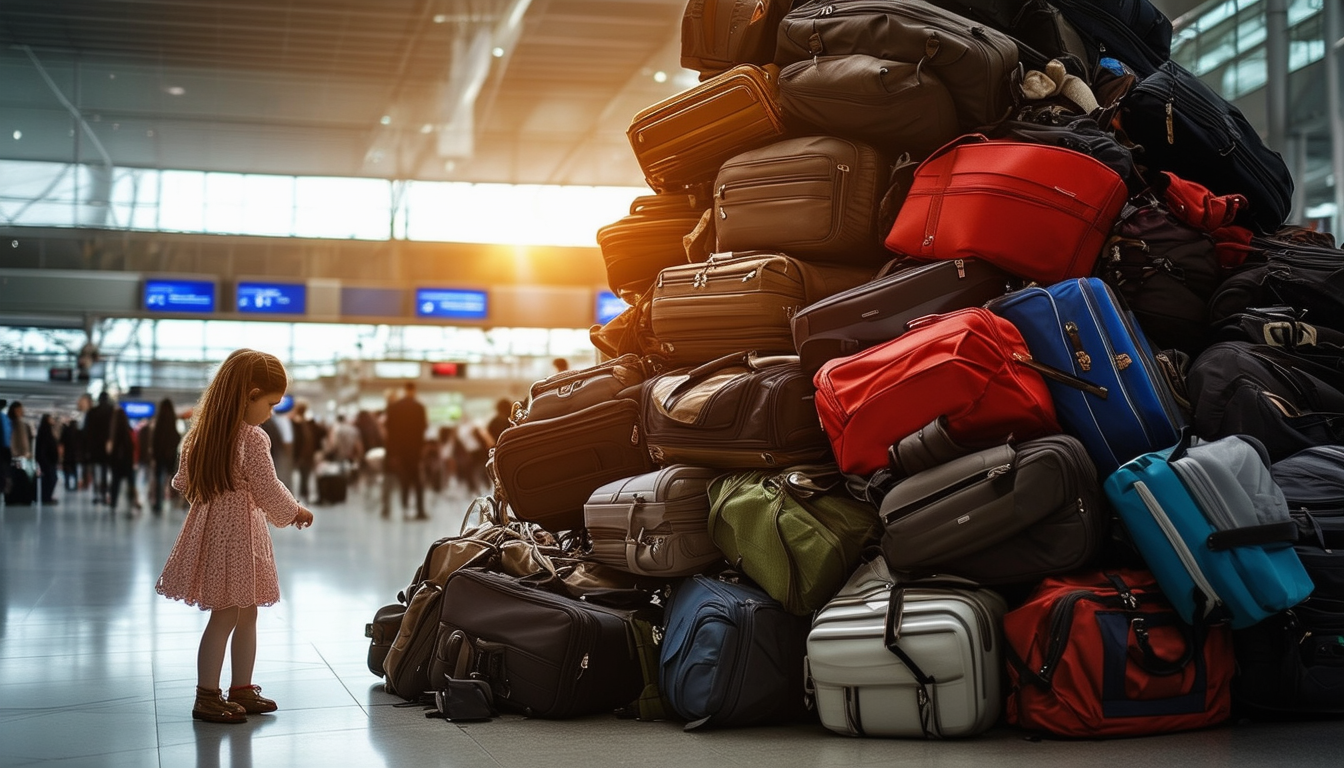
[(98, 670)]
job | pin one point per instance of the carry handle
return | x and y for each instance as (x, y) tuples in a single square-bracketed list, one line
[(1183, 445), (1148, 658), (970, 138), (1251, 536), (752, 360)]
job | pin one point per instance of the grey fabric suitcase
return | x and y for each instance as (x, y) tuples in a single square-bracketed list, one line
[(919, 660), (654, 524)]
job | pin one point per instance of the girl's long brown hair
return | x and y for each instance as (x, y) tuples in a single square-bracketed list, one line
[(210, 445)]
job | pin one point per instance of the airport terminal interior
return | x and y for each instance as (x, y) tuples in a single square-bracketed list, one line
[(382, 194)]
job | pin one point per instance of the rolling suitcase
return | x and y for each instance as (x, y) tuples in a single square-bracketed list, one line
[(1214, 529), (731, 655), (543, 654), (1119, 403), (331, 484), (737, 302), (915, 660), (814, 198), (681, 141), (878, 311), (655, 524), (547, 469)]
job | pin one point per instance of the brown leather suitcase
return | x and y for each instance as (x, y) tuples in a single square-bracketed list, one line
[(636, 248), (738, 302), (681, 141)]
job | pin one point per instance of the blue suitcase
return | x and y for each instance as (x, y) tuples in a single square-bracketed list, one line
[(1214, 529), (731, 655), (1111, 394)]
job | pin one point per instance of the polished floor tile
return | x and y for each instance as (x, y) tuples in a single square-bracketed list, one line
[(98, 671)]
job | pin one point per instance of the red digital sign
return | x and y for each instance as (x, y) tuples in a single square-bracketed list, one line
[(448, 370)]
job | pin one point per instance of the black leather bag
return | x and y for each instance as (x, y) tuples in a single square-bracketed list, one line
[(738, 412), (1278, 273)]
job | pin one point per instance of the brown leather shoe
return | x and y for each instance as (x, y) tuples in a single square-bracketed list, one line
[(211, 707), (249, 696)]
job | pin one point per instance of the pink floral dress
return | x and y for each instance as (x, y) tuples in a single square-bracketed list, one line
[(223, 557)]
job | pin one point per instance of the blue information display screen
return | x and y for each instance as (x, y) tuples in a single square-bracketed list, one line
[(137, 409), (179, 296), (609, 305), (451, 303), (272, 298)]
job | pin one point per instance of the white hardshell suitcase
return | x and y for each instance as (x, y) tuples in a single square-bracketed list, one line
[(952, 635)]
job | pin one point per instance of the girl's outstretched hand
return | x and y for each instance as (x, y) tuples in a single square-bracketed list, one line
[(303, 519)]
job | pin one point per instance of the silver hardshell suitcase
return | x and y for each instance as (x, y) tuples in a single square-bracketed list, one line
[(654, 524), (924, 660)]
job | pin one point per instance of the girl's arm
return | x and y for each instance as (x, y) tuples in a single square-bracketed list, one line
[(273, 497), (180, 479)]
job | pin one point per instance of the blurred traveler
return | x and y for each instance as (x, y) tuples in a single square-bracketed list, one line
[(47, 452), (164, 452), (406, 424)]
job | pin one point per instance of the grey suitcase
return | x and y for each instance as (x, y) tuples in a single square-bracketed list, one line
[(925, 661), (654, 524)]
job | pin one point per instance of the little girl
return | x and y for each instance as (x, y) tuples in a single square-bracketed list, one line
[(222, 561)]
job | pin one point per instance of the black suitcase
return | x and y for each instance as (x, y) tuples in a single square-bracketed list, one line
[(20, 490), (547, 469), (331, 489), (878, 311), (381, 632), (543, 654)]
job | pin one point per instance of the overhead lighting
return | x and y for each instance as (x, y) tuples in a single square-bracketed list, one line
[(427, 128), (175, 90), (660, 76), (439, 18), (497, 52), (18, 135), (385, 119)]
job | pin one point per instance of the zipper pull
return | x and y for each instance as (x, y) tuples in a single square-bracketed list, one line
[(961, 268), (1057, 375), (634, 434), (841, 167), (583, 665), (1079, 354), (998, 471), (749, 276), (1171, 132), (1123, 361)]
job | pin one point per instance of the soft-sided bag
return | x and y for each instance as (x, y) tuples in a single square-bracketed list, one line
[(1041, 31), (914, 659), (681, 141), (655, 524), (737, 302), (740, 411), (382, 631), (546, 470), (1132, 31), (814, 198), (1214, 528), (1292, 663), (1188, 129), (719, 34), (1118, 402), (1312, 482), (1103, 654), (795, 533), (636, 248), (1308, 278), (1037, 211), (878, 311), (1004, 515), (970, 366), (569, 392), (731, 655), (896, 106), (974, 62)]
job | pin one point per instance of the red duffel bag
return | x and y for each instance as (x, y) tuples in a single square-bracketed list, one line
[(1104, 654), (971, 366), (1038, 211)]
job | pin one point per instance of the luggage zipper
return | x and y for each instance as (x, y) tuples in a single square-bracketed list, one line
[(1061, 617), (1170, 410), (1079, 354), (1178, 545), (1055, 374), (946, 492), (1209, 500)]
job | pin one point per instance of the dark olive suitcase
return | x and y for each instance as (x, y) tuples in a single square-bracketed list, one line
[(878, 311), (545, 470)]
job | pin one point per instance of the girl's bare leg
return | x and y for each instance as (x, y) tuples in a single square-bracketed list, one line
[(243, 651), (210, 655)]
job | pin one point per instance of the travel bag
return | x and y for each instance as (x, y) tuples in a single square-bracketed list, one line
[(655, 524), (912, 659), (1102, 654), (638, 246), (731, 656), (795, 532), (1039, 29), (814, 198), (1188, 129), (1214, 529), (1292, 663), (737, 302), (544, 654), (382, 631), (878, 311), (1307, 278), (406, 663), (1011, 514), (1312, 482), (740, 411), (1132, 31), (1283, 398), (719, 34), (546, 470), (896, 106), (970, 366), (1115, 399), (569, 392), (681, 141), (973, 61), (1037, 211)]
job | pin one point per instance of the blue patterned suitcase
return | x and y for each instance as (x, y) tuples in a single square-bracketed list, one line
[(1214, 529), (1112, 396)]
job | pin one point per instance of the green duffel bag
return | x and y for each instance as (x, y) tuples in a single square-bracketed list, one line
[(794, 532)]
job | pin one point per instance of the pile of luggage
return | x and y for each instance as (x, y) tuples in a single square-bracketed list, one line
[(968, 372)]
